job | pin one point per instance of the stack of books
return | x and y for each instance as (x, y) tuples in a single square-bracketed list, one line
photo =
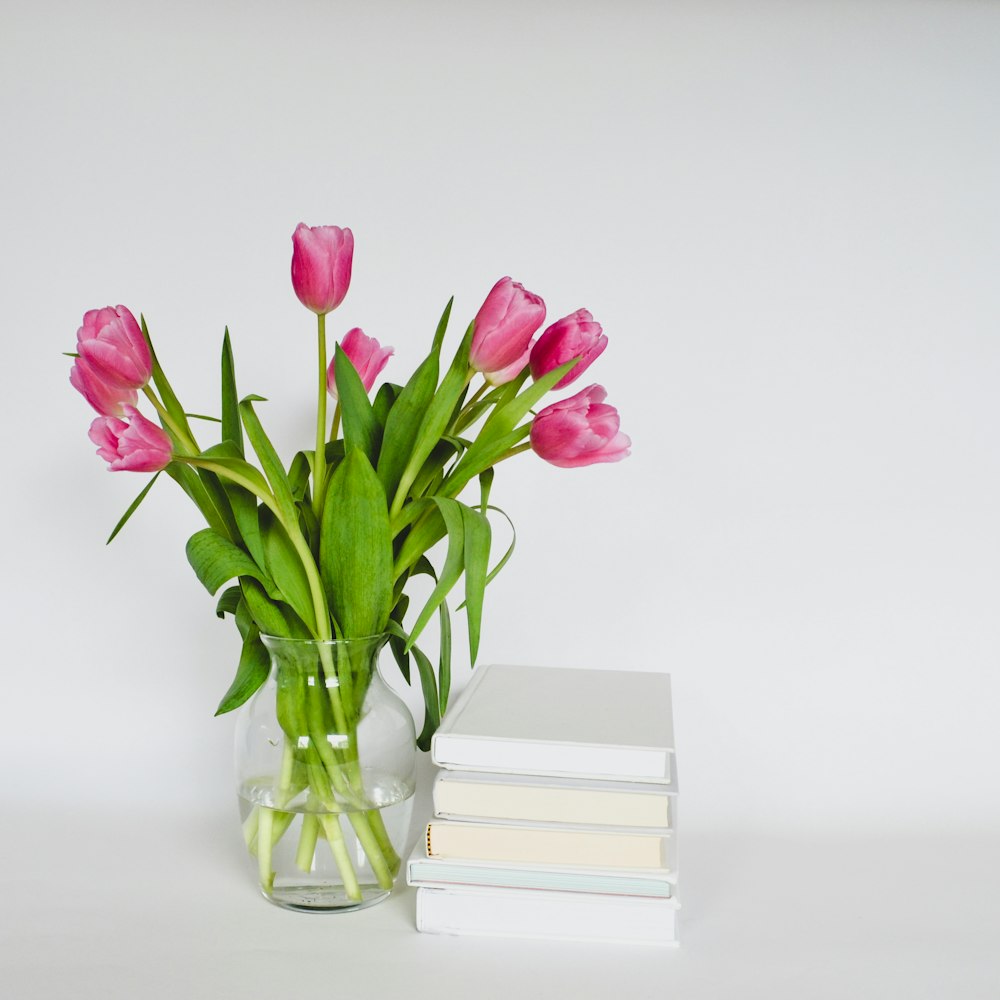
[(555, 809)]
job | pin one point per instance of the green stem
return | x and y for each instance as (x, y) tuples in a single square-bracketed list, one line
[(186, 440), (319, 460), (335, 836), (462, 420), (264, 830), (335, 426), (307, 842)]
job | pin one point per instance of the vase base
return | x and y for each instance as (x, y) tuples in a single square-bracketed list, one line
[(320, 899)]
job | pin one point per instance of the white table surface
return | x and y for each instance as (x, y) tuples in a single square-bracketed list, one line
[(108, 904)]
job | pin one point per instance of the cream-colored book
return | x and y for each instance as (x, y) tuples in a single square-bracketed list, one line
[(549, 845), (472, 795)]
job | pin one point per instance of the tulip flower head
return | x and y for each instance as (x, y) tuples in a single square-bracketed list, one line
[(113, 359), (321, 265), (505, 324), (575, 336), (581, 430), (367, 355), (135, 445), (105, 397)]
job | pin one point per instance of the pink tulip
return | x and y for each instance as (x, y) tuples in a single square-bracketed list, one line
[(581, 430), (321, 265), (574, 336), (134, 446), (114, 359), (108, 399), (504, 327), (367, 355)]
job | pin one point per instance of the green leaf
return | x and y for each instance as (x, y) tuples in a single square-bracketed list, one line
[(246, 512), (451, 512), (442, 326), (436, 418), (229, 601), (444, 450), (215, 560), (203, 416), (403, 423), (426, 532), (271, 617), (298, 476), (385, 399), (167, 396), (232, 430), (251, 673), (133, 506), (355, 553), (231, 468), (361, 429), (269, 460), (397, 643), (485, 485), (477, 556), (510, 550), (432, 703), (286, 569), (444, 659)]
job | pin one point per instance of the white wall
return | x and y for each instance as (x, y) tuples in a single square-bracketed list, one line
[(784, 214)]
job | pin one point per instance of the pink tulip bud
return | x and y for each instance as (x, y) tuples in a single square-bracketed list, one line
[(574, 336), (134, 446), (367, 355), (581, 430), (107, 398), (321, 265), (114, 359), (504, 327)]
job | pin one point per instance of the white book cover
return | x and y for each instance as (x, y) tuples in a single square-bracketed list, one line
[(602, 724), (518, 798), (550, 915), (453, 872)]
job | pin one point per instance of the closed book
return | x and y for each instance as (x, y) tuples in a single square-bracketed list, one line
[(549, 845), (472, 795), (451, 872), (548, 915), (604, 724)]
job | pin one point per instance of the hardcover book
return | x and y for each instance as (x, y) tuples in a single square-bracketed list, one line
[(601, 847), (470, 795), (602, 724), (454, 872), (554, 915)]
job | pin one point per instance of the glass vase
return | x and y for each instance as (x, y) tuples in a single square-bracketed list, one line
[(325, 765)]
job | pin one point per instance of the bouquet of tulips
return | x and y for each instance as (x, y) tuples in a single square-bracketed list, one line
[(324, 547)]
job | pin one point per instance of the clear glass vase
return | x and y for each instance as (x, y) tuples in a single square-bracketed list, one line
[(325, 765)]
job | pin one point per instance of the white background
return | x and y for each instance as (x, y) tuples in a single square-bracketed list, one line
[(787, 218)]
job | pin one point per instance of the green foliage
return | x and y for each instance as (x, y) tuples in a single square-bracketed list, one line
[(334, 557), (355, 554), (215, 560), (361, 428)]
